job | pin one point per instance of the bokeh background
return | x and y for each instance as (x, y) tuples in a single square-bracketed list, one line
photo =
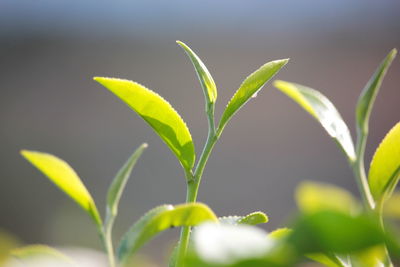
[(50, 50)]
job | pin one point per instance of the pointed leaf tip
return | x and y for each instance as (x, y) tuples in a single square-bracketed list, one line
[(367, 98), (322, 109), (206, 80), (64, 177), (118, 184), (158, 113), (249, 88)]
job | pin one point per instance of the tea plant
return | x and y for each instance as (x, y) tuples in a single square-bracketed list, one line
[(333, 228)]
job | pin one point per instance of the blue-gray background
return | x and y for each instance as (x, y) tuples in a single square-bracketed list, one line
[(50, 50)]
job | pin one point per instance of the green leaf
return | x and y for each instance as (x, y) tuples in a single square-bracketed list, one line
[(335, 232), (249, 88), (368, 95), (384, 172), (253, 218), (120, 180), (323, 110), (206, 80), (312, 197), (280, 233), (392, 206), (158, 113), (42, 251), (160, 219), (62, 175), (326, 259)]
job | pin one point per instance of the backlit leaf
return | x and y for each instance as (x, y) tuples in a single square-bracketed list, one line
[(44, 252), (158, 113), (253, 218), (120, 180), (335, 232), (61, 174), (323, 110), (368, 95), (160, 219), (249, 88), (206, 80), (312, 197), (384, 172)]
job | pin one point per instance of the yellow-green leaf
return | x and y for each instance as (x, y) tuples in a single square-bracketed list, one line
[(158, 113), (249, 88), (368, 95), (391, 208), (42, 251), (206, 80), (120, 180), (312, 197), (160, 219), (384, 172), (62, 175), (254, 218), (323, 110)]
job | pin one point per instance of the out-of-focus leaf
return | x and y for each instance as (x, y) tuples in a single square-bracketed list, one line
[(160, 219), (323, 110), (158, 113), (7, 243), (62, 175), (335, 232), (31, 251), (227, 244), (384, 172), (371, 257), (280, 233), (392, 206), (368, 95), (253, 218), (249, 88), (312, 197), (120, 180), (327, 260), (206, 80)]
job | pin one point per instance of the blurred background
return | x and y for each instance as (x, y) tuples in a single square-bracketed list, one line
[(50, 50)]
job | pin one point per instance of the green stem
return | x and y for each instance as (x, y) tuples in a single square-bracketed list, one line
[(361, 177), (106, 236), (193, 182), (359, 171)]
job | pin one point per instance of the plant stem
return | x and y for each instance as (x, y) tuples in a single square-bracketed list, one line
[(361, 177), (193, 182), (106, 236), (359, 171)]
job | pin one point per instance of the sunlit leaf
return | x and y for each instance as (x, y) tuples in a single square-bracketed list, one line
[(371, 257), (206, 80), (392, 206), (326, 260), (280, 233), (384, 172), (158, 113), (323, 110), (249, 88), (253, 218), (61, 174), (42, 251), (368, 95), (336, 232), (312, 197), (160, 219), (120, 180)]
